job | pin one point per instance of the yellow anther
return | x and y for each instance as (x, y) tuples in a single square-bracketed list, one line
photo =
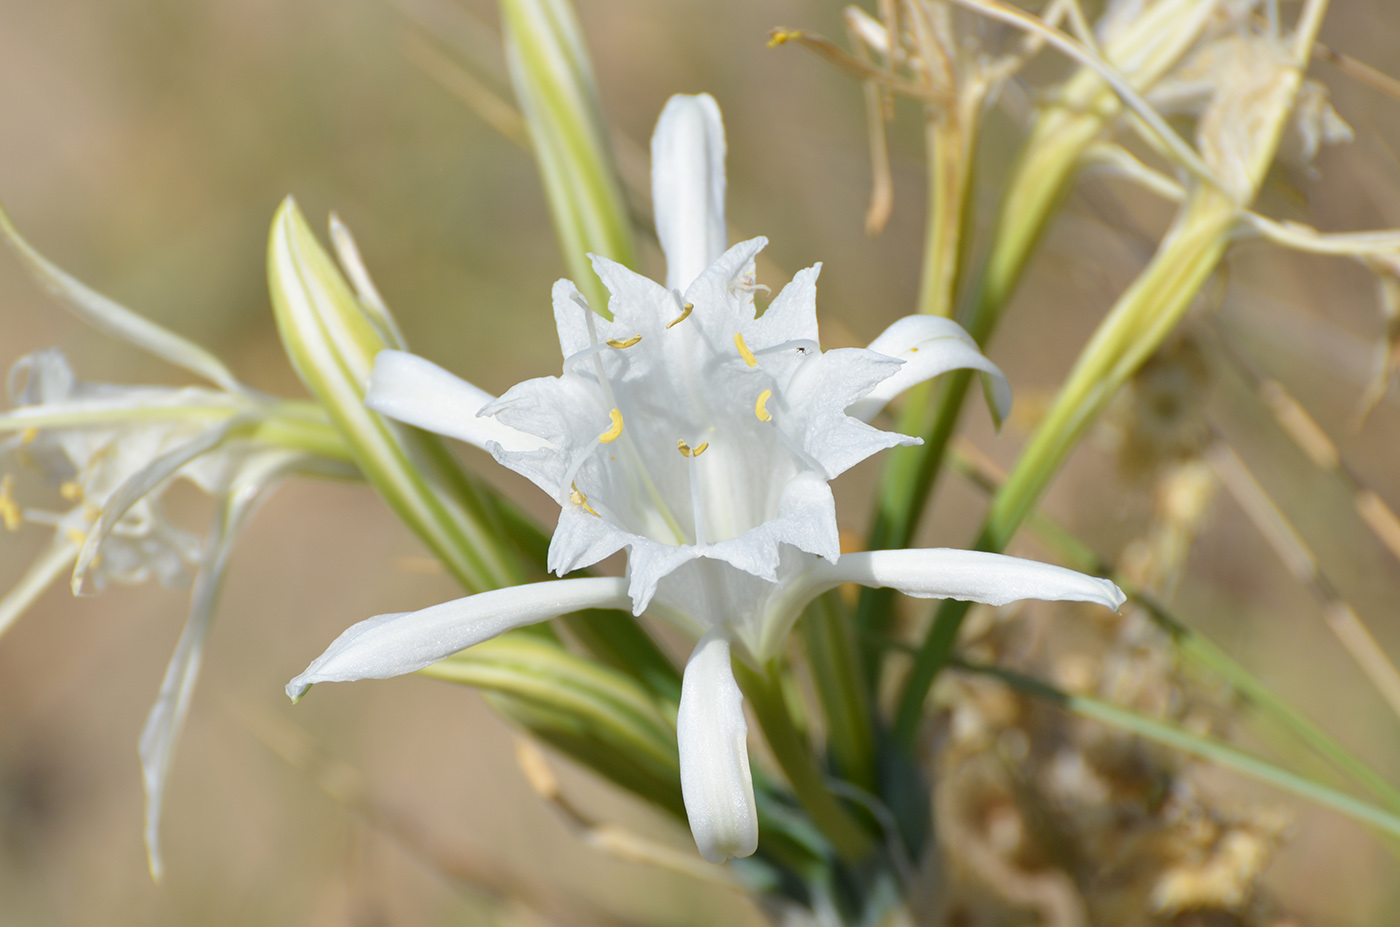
[(615, 430), (701, 448), (28, 435), (71, 491), (744, 351), (578, 498), (76, 537), (683, 447), (781, 37), (619, 343), (913, 350), (9, 511), (688, 451), (685, 314), (760, 408)]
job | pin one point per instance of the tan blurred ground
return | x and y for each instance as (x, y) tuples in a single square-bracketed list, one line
[(144, 145)]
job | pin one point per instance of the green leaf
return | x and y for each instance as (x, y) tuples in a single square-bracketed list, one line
[(332, 342), (116, 320), (558, 95), (1206, 748)]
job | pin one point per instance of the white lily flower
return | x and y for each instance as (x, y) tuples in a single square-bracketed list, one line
[(700, 437)]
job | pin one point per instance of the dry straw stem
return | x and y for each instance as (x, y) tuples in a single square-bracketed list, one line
[(461, 82), (467, 74), (1144, 315), (1319, 448), (613, 841), (1142, 52), (1303, 565)]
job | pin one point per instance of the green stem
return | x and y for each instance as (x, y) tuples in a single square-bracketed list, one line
[(764, 693), (1141, 319), (1195, 647), (831, 653), (1049, 157)]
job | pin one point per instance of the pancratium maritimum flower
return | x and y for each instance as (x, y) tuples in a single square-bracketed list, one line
[(700, 437), (112, 451)]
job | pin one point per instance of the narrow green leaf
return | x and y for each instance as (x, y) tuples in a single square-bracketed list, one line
[(1204, 747), (554, 83), (332, 343), (115, 319)]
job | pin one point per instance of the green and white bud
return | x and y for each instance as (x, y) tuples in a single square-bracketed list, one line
[(332, 335)]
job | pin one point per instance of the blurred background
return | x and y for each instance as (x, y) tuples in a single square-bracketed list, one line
[(144, 145)]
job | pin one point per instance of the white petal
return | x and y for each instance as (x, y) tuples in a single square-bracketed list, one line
[(571, 313), (418, 392), (971, 575), (580, 540), (687, 186), (929, 346), (166, 720), (634, 300), (141, 484), (792, 315), (391, 645), (820, 391), (712, 735)]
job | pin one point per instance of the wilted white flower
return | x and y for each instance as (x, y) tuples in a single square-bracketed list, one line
[(700, 437), (112, 452)]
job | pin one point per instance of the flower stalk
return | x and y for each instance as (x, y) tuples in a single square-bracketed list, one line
[(1143, 51), (763, 689), (1140, 320)]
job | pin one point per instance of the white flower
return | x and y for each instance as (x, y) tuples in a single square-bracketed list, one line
[(701, 438), (112, 452)]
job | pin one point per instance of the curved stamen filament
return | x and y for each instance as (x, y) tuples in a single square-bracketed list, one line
[(573, 360)]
